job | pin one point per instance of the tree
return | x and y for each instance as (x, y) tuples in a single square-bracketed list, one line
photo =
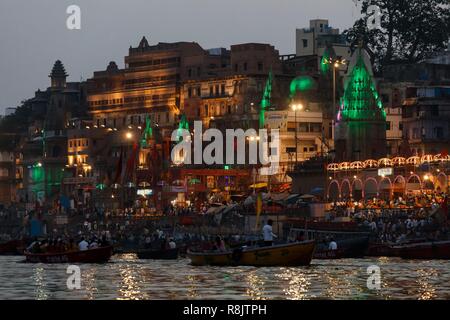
[(410, 30)]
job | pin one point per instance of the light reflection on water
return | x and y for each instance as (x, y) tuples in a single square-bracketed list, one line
[(126, 277)]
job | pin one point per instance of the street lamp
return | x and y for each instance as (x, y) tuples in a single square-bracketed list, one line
[(335, 63), (129, 135), (295, 108)]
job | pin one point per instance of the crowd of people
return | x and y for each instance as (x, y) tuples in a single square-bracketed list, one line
[(62, 244)]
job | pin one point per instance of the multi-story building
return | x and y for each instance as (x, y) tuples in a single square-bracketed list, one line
[(45, 148), (426, 119), (320, 35)]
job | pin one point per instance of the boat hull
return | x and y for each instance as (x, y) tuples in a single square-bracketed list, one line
[(382, 250), (347, 248), (14, 247), (98, 255), (171, 254), (294, 254), (426, 250)]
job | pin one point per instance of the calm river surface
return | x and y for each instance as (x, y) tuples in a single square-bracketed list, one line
[(126, 277)]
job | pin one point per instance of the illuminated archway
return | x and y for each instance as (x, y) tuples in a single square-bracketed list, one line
[(334, 191), (357, 189), (370, 188), (413, 184), (442, 182), (346, 190), (385, 188), (399, 186)]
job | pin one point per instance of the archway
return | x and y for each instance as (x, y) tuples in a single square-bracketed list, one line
[(346, 190), (442, 182), (370, 188), (357, 189), (385, 188), (399, 186), (413, 184), (333, 192)]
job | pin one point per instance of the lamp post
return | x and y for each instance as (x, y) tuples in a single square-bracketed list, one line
[(335, 63), (296, 107)]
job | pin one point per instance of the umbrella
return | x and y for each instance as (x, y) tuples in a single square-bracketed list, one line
[(258, 185)]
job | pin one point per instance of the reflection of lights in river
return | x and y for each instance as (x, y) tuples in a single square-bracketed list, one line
[(89, 283), (41, 292), (192, 287), (255, 288), (426, 289), (298, 284), (130, 283)]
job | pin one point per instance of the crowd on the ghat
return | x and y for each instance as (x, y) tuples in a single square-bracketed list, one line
[(423, 216)]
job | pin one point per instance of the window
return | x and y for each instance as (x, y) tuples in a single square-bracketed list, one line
[(400, 126), (245, 66), (222, 89), (260, 66), (199, 92), (312, 149), (206, 110), (190, 73), (167, 117), (304, 127), (70, 143), (290, 150), (190, 92), (236, 67), (388, 125), (305, 149), (305, 43), (217, 89), (211, 90), (229, 109)]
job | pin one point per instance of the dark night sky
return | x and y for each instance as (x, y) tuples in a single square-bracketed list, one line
[(33, 34)]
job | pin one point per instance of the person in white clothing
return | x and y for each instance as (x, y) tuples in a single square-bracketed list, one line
[(268, 234), (83, 245), (332, 245)]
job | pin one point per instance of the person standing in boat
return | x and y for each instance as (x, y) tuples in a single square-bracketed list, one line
[(268, 234), (332, 245)]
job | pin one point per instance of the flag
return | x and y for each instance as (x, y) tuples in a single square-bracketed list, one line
[(258, 209)]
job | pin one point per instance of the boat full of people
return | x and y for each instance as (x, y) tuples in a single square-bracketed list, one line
[(59, 252)]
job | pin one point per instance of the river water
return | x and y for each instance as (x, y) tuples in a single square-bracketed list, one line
[(126, 277)]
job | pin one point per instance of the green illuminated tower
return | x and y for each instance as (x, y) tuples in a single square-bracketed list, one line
[(265, 103), (361, 121)]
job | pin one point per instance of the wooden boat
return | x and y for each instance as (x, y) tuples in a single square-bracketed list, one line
[(347, 248), (350, 244), (425, 250), (13, 247), (382, 250), (166, 254), (97, 255), (292, 254)]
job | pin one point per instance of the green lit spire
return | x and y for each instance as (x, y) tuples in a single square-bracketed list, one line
[(361, 100), (148, 132), (184, 124), (265, 103)]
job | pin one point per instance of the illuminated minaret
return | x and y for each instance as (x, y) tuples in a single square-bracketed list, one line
[(361, 120)]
